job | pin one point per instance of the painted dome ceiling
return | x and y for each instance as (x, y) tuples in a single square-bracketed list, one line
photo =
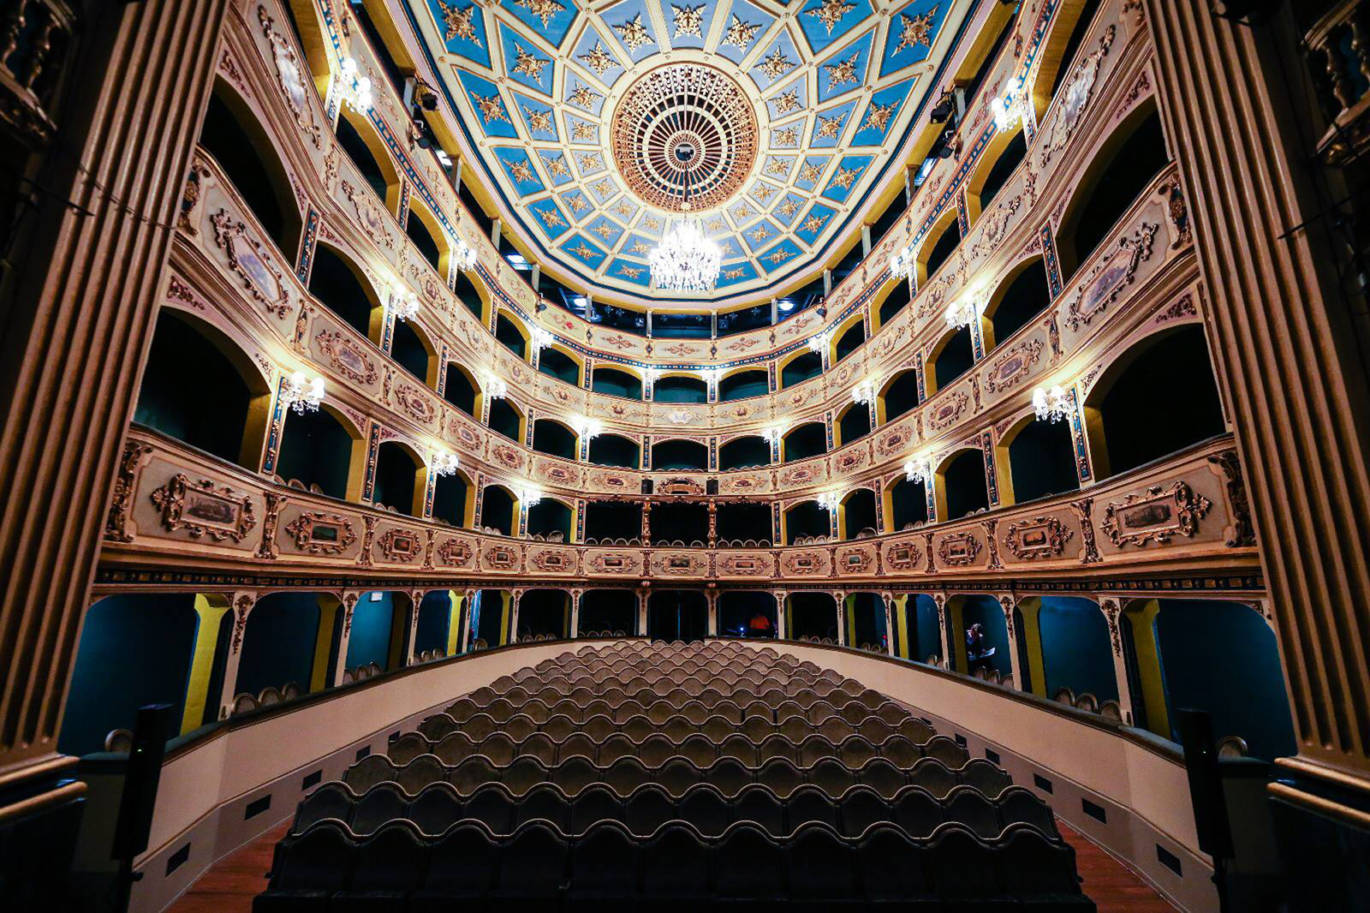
[(592, 123)]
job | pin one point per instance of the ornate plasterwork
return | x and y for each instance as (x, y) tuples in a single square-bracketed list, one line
[(1155, 516), (249, 259), (1038, 538), (320, 533), (204, 510)]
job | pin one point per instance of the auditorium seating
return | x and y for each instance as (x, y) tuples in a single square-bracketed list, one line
[(713, 774)]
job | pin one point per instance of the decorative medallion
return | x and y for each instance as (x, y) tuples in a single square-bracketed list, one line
[(959, 549), (1157, 515), (402, 545), (1040, 537), (347, 357), (321, 533), (204, 509), (249, 260)]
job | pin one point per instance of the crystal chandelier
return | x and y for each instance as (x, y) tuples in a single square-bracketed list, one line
[(1007, 109), (901, 263), (863, 393), (302, 393), (463, 256), (1051, 404), (443, 463), (356, 89), (965, 311), (495, 387), (541, 339), (818, 344), (829, 501), (918, 470), (586, 427), (772, 434), (404, 305), (685, 260), (530, 495)]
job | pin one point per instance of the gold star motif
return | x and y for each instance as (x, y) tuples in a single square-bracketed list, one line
[(632, 272), (538, 121), (591, 162), (763, 192), (878, 116), (634, 33), (788, 137), (580, 250), (787, 102), (760, 234), (459, 23), (580, 130), (776, 65), (652, 223), (830, 12), (843, 72), (599, 59), (604, 187), (810, 172), (604, 230), (520, 171), (529, 64), (550, 217), (740, 34), (734, 273), (583, 97), (813, 223), (715, 225), (915, 30), (578, 203), (557, 166), (624, 209), (828, 127), (843, 178), (639, 248), (742, 212), (788, 208), (545, 10), (777, 255), (688, 20), (490, 107), (778, 167)]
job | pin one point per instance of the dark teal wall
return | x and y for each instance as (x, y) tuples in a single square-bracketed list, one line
[(435, 613), (925, 631), (134, 650), (986, 610), (1076, 649), (370, 639), (278, 643), (869, 615), (1222, 657)]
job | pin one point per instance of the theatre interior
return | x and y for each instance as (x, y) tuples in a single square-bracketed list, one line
[(630, 455)]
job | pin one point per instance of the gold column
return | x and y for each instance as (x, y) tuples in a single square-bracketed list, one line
[(209, 612)]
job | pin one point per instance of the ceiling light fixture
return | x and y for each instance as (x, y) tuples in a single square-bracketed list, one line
[(685, 260), (302, 393), (443, 463), (356, 88), (463, 256), (1051, 404)]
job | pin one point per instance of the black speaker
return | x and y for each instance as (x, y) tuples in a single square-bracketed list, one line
[(646, 486), (140, 780), (1205, 783), (711, 487)]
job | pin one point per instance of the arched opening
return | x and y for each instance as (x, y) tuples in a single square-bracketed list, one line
[(454, 499), (741, 524), (746, 613), (613, 522), (679, 454), (439, 618), (551, 520), (554, 438), (951, 359), (309, 34), (1130, 425), (908, 504), (556, 363), (743, 384), (1060, 50), (490, 614), (366, 151), (806, 522), (412, 350), (678, 523), (506, 420), (460, 389), (321, 452), (232, 136), (613, 382), (924, 629), (1076, 648), (865, 615), (811, 616), (857, 515), (497, 510), (380, 626), (939, 246), (1041, 460), (544, 615), (1122, 168), (680, 388), (469, 295), (961, 485), (849, 341), (615, 450), (810, 439), (983, 649), (897, 299), (744, 453), (400, 479), (282, 644), (677, 615), (201, 389), (607, 613), (134, 650), (1244, 692), (1021, 298), (854, 424), (801, 368), (899, 396), (1001, 159), (510, 335), (339, 285), (427, 236)]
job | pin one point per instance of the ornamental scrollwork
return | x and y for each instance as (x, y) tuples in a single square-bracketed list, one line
[(1156, 515), (125, 482), (203, 509), (1038, 538), (249, 259), (959, 549), (1111, 276), (320, 533)]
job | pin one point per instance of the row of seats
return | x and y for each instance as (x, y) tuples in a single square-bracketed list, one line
[(607, 867), (677, 775), (439, 807), (582, 707)]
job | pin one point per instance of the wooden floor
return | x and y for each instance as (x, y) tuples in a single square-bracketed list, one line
[(230, 885)]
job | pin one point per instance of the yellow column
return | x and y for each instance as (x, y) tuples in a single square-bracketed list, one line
[(956, 634), (209, 611), (1032, 638), (1142, 617), (505, 609), (454, 622), (849, 619), (323, 643), (901, 622)]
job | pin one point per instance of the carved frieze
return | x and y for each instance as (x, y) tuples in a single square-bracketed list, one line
[(455, 552), (291, 77), (249, 259), (807, 563), (552, 560), (855, 559), (745, 565), (204, 509), (320, 533), (1014, 365), (125, 485), (402, 545), (1037, 539), (347, 357), (1156, 515), (370, 216), (949, 411), (501, 556), (959, 549), (615, 563), (1110, 276), (415, 403)]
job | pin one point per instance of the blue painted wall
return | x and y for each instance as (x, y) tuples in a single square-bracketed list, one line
[(278, 644), (134, 650), (1222, 657), (926, 630), (435, 612), (370, 639), (1076, 649)]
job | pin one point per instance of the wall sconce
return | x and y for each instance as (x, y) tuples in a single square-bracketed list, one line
[(495, 387), (901, 263), (919, 469), (443, 463), (966, 310), (586, 427), (356, 88), (1007, 107), (818, 343), (772, 434), (463, 256), (529, 495), (830, 501), (541, 339), (302, 393), (404, 304), (863, 393), (1052, 404)]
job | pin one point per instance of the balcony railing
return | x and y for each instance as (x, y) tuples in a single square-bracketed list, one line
[(1338, 48), (35, 46)]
